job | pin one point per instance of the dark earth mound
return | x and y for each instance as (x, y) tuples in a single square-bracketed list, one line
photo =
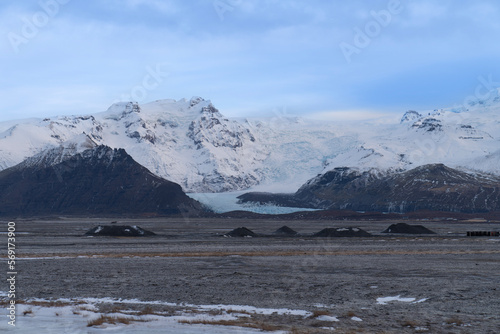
[(285, 231), (408, 229), (342, 232), (241, 232), (119, 231)]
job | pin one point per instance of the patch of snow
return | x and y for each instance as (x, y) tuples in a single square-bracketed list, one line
[(419, 301), (398, 298), (74, 317), (421, 329), (327, 318), (252, 309), (356, 319)]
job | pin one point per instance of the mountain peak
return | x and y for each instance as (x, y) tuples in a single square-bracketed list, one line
[(101, 180), (410, 116), (121, 110), (195, 100)]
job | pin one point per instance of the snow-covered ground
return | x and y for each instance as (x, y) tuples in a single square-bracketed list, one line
[(74, 315)]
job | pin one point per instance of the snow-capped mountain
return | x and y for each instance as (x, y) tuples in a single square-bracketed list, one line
[(464, 138), (186, 141), (191, 143)]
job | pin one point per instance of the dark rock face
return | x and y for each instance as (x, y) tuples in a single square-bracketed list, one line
[(342, 232), (212, 129), (97, 181), (269, 198), (433, 187), (119, 231), (411, 116), (241, 232), (428, 124), (408, 229)]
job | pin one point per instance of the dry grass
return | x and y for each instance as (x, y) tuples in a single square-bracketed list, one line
[(231, 311), (106, 319), (86, 308), (48, 303), (295, 330), (147, 310), (454, 321), (350, 314), (213, 312), (29, 311), (276, 253), (318, 313), (237, 323), (116, 309), (409, 323)]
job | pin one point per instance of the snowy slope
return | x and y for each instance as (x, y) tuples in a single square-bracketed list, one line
[(191, 143), (186, 141), (464, 138)]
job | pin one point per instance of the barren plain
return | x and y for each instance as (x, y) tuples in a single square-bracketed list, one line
[(441, 283)]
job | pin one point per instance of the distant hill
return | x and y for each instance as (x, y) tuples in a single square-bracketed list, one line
[(100, 180), (433, 187)]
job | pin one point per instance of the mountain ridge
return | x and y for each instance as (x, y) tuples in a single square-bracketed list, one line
[(191, 143), (433, 187)]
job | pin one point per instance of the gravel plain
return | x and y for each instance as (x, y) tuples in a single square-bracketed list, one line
[(442, 283)]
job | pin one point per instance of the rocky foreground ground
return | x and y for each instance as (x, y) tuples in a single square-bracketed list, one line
[(387, 283)]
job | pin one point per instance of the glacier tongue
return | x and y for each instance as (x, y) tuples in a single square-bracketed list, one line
[(191, 143)]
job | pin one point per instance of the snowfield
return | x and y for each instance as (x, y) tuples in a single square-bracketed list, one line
[(74, 316)]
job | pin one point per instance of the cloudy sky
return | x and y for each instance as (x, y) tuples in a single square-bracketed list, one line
[(332, 59)]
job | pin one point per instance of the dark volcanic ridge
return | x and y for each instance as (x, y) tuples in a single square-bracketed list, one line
[(404, 228), (100, 180), (342, 232), (119, 231), (433, 187)]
